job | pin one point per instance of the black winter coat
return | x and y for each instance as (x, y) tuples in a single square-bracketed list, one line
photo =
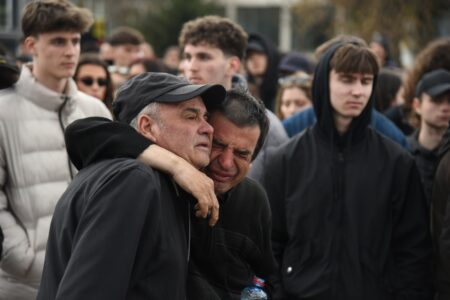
[(440, 204), (120, 231)]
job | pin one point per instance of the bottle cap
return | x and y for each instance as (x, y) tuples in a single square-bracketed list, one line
[(258, 281)]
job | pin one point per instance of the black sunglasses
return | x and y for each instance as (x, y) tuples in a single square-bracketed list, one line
[(90, 81)]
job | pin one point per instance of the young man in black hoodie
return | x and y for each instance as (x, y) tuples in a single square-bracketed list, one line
[(349, 213)]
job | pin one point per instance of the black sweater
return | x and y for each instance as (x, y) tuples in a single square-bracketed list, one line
[(120, 231)]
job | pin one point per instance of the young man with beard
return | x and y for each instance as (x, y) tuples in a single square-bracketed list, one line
[(349, 213), (34, 166), (226, 256), (432, 105), (122, 230)]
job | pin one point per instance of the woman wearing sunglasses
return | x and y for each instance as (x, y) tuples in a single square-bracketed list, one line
[(92, 77), (294, 94)]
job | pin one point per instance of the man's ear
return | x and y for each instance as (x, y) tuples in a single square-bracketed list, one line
[(30, 45), (148, 127), (234, 64), (416, 105)]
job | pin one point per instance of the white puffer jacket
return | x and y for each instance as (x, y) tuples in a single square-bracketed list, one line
[(34, 172)]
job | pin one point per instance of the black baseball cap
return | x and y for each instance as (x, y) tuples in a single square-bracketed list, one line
[(149, 87), (434, 83)]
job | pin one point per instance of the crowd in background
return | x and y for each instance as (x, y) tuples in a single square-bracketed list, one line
[(408, 108)]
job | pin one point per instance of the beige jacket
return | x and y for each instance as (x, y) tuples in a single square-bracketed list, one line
[(34, 172)]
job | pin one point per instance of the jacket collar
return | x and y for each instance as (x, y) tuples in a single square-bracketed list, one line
[(32, 90), (417, 148)]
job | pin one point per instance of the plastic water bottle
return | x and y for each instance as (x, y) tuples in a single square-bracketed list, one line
[(255, 291)]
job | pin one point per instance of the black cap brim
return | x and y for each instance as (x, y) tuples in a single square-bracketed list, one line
[(212, 95), (438, 90)]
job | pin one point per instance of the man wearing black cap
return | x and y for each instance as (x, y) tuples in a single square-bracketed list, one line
[(224, 257), (432, 105), (121, 231)]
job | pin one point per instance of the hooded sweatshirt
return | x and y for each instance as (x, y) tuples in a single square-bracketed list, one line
[(268, 88), (349, 213)]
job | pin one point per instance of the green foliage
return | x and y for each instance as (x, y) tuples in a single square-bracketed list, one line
[(161, 24)]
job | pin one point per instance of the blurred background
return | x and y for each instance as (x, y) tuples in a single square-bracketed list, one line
[(407, 25)]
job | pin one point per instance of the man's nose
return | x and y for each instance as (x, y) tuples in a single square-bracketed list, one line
[(192, 64), (206, 128), (226, 159), (357, 88), (71, 49)]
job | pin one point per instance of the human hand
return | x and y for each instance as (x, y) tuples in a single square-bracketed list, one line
[(201, 187)]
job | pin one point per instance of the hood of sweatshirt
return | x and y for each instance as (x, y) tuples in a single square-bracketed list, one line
[(324, 110)]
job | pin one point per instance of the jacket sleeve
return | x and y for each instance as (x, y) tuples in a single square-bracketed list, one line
[(92, 139), (411, 239), (18, 257), (108, 237)]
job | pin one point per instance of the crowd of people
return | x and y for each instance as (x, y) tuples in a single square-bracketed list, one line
[(128, 176)]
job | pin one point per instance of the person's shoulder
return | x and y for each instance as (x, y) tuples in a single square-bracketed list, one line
[(298, 140), (7, 94), (252, 190), (251, 185), (125, 173), (299, 121), (384, 125), (388, 147), (8, 97), (122, 165), (92, 106)]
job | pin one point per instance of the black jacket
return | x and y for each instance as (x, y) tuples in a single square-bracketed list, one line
[(349, 213), (120, 231), (426, 160), (224, 257), (441, 221)]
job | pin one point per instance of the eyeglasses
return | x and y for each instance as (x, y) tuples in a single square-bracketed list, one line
[(90, 81)]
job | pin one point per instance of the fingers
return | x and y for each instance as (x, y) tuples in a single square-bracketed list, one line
[(208, 208), (214, 214), (202, 209)]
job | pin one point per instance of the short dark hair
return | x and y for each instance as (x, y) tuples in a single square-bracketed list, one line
[(54, 15), (217, 32), (124, 35), (341, 38), (242, 109), (354, 58)]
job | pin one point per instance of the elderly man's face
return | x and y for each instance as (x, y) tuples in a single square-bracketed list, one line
[(183, 129)]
